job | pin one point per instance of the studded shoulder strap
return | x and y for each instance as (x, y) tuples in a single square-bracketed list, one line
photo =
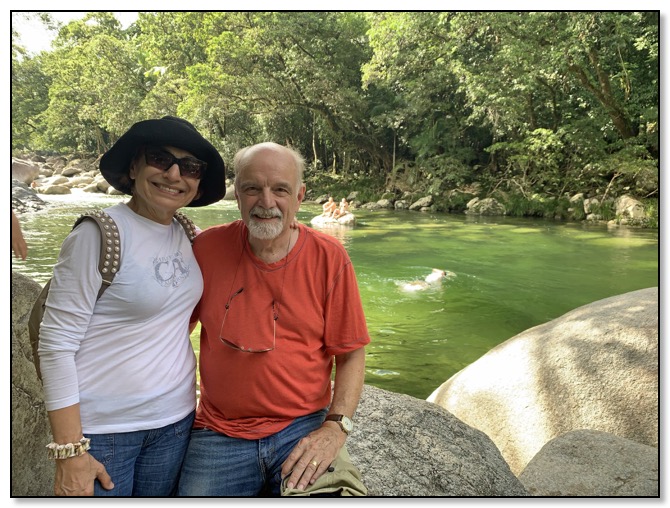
[(188, 225), (110, 246)]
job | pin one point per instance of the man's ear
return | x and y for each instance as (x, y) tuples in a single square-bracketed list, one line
[(301, 193)]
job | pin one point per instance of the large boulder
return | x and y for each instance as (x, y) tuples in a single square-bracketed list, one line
[(486, 206), (24, 198), (592, 463), (595, 367), (32, 473), (422, 204), (24, 170), (348, 219), (628, 207), (405, 446), (629, 211)]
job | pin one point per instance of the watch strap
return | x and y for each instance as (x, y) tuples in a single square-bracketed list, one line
[(339, 419)]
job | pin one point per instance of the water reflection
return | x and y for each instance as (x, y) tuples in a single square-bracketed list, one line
[(338, 231)]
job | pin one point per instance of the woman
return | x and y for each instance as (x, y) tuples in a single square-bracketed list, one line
[(120, 371), (343, 209)]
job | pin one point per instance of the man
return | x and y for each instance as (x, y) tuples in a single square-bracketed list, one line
[(279, 303), (329, 207)]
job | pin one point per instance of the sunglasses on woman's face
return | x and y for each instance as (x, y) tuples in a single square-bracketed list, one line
[(189, 167)]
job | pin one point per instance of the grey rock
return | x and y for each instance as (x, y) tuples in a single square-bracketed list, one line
[(230, 193), (486, 206), (592, 463), (423, 202), (372, 205), (32, 473), (629, 208), (24, 198), (590, 204), (595, 367), (78, 182), (24, 170), (54, 189), (404, 446)]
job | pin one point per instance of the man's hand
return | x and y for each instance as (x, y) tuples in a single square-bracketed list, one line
[(313, 455), (75, 476)]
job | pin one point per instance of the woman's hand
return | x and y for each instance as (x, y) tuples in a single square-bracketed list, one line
[(75, 476)]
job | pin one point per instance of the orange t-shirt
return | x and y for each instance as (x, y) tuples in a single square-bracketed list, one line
[(315, 296)]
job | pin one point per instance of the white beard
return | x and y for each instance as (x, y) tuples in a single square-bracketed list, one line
[(265, 230)]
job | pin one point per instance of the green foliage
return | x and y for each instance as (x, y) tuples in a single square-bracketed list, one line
[(369, 188), (521, 103), (517, 205), (454, 202), (604, 210), (30, 96), (570, 210), (534, 162), (652, 212)]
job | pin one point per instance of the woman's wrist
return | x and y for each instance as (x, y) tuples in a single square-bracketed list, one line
[(57, 451)]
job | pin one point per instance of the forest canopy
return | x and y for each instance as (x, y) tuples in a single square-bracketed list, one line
[(526, 102)]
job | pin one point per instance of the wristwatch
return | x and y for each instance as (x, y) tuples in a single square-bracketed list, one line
[(344, 422)]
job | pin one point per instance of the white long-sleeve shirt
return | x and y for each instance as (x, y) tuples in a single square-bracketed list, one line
[(125, 358)]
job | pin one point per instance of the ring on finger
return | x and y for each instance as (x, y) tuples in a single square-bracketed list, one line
[(315, 463)]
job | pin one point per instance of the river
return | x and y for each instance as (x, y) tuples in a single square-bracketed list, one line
[(508, 275)]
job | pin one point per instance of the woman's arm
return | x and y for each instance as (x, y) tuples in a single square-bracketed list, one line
[(69, 307)]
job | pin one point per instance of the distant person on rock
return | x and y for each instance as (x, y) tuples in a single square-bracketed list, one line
[(329, 207), (342, 210)]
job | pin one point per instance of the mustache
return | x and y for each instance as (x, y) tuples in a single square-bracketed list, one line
[(266, 213)]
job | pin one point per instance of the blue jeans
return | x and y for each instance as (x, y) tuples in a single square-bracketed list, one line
[(144, 462), (218, 465)]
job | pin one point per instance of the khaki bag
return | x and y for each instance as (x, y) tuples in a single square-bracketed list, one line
[(341, 479), (108, 265)]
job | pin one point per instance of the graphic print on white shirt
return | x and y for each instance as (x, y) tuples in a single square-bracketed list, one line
[(171, 270)]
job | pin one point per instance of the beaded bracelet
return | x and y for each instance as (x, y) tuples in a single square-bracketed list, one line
[(65, 451)]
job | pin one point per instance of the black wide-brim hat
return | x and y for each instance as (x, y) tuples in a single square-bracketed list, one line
[(168, 131)]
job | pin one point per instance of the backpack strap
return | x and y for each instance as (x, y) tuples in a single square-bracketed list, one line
[(110, 245), (188, 225)]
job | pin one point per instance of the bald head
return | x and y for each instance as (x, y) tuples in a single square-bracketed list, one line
[(246, 156)]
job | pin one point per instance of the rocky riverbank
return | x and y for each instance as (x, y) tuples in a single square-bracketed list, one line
[(34, 175), (568, 408)]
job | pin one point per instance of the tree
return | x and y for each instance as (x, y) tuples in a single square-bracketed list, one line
[(96, 86)]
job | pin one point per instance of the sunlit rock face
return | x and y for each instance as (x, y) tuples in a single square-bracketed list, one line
[(595, 367)]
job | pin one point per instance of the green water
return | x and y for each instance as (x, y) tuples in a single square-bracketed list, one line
[(510, 275)]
